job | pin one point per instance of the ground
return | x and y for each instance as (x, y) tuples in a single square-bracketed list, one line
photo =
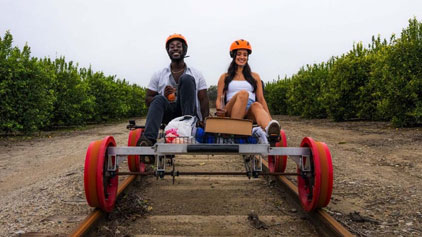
[(377, 179)]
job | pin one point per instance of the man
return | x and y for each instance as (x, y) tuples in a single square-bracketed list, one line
[(174, 91)]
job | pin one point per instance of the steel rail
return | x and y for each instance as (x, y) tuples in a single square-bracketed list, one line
[(326, 224), (97, 213)]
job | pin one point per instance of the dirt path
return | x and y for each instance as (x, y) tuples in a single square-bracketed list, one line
[(376, 173), (377, 178), (41, 182)]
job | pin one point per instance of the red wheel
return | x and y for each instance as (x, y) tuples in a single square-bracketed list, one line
[(281, 161), (278, 163), (316, 186), (309, 182), (326, 174), (90, 173), (100, 185), (106, 182), (134, 162)]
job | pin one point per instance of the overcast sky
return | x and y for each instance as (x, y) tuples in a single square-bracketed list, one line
[(126, 38)]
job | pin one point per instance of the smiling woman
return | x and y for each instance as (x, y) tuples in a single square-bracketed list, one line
[(242, 90)]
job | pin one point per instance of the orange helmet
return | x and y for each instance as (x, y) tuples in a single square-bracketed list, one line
[(176, 36), (240, 44)]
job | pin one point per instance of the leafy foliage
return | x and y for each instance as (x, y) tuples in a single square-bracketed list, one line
[(380, 82), (276, 96), (212, 95), (402, 78), (348, 76), (38, 94), (26, 100), (73, 104)]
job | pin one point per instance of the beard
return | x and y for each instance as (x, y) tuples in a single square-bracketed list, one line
[(178, 58)]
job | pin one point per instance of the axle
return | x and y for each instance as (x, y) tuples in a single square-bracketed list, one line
[(179, 173)]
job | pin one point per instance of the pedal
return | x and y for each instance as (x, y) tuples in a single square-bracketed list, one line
[(160, 166), (273, 139), (131, 125)]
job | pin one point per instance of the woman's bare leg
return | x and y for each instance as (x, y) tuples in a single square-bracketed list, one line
[(257, 113), (236, 108)]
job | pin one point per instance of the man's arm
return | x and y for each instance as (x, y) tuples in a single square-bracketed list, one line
[(204, 103), (149, 96)]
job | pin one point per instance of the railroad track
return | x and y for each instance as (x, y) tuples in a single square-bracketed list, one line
[(93, 218), (323, 222)]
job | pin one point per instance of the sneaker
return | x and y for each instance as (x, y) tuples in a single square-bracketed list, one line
[(146, 142), (273, 128), (143, 141)]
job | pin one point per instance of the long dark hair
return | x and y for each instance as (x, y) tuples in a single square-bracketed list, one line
[(231, 72)]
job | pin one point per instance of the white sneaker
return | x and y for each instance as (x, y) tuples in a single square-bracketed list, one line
[(273, 128)]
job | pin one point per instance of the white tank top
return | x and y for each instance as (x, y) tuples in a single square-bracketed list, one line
[(235, 86)]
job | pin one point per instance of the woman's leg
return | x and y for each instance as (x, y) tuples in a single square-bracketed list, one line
[(257, 113), (236, 108)]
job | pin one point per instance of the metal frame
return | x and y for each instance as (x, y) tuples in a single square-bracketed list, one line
[(252, 154), (178, 149)]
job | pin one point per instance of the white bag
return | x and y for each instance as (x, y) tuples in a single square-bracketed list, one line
[(259, 133), (184, 126)]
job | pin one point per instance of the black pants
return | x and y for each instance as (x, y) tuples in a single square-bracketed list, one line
[(162, 111)]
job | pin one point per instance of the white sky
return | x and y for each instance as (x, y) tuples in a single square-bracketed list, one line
[(126, 38)]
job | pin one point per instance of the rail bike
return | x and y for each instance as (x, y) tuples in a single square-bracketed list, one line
[(313, 160)]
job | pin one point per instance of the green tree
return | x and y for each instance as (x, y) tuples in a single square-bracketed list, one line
[(26, 98), (276, 95), (73, 105), (403, 78), (212, 95)]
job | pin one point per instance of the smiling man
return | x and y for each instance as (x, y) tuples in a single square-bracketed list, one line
[(174, 91)]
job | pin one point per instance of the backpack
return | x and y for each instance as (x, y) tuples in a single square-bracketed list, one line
[(183, 126)]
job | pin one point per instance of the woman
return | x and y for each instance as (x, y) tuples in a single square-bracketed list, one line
[(241, 90)]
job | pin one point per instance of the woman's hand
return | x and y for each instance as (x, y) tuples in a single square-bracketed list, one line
[(201, 123), (221, 112)]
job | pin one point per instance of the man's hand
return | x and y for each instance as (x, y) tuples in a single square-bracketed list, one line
[(221, 112), (169, 90)]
